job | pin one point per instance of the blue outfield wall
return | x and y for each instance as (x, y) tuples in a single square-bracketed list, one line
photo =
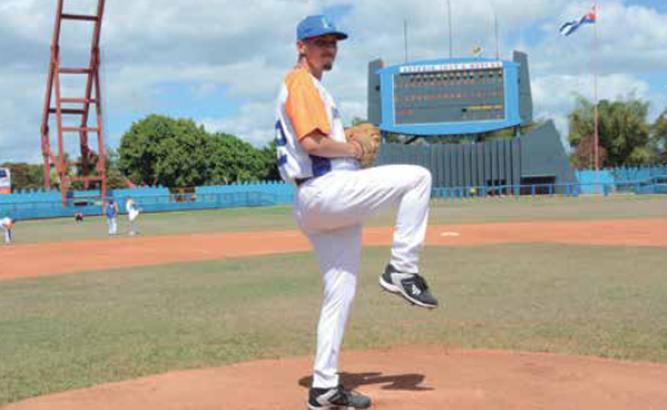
[(34, 204), (47, 204), (592, 181), (623, 179), (637, 173), (608, 181)]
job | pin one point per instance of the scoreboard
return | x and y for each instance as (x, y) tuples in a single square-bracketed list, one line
[(449, 93), (449, 96), (460, 100)]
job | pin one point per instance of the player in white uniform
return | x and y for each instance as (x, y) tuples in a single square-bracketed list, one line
[(132, 214), (7, 224), (333, 199)]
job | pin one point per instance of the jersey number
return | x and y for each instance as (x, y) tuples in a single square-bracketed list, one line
[(281, 141)]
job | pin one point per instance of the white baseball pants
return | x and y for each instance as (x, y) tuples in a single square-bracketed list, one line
[(8, 235), (113, 227), (331, 210)]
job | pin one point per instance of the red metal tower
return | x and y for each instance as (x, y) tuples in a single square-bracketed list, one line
[(74, 106)]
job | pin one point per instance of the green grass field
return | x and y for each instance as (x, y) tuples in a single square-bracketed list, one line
[(64, 332)]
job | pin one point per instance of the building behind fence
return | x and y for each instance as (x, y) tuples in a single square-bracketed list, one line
[(537, 158)]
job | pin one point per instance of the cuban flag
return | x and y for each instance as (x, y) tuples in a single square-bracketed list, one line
[(571, 26)]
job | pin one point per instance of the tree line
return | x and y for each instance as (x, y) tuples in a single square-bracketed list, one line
[(175, 153), (159, 150), (31, 176), (625, 136)]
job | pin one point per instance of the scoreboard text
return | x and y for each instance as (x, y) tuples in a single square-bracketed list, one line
[(447, 96), (441, 93)]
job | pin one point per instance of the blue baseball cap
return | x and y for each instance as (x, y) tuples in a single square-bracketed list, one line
[(315, 26)]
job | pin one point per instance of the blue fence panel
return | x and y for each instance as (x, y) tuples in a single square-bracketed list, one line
[(40, 204), (591, 181), (47, 204), (568, 190), (630, 174), (30, 196), (623, 179)]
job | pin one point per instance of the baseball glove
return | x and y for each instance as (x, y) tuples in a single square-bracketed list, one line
[(367, 136)]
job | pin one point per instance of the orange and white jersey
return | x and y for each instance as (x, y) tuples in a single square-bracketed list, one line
[(304, 106)]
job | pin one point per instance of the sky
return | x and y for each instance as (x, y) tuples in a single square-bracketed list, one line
[(221, 62)]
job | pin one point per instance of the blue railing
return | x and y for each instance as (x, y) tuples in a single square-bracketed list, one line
[(147, 203), (568, 190), (48, 204)]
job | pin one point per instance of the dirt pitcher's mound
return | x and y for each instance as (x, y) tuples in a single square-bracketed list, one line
[(405, 378)]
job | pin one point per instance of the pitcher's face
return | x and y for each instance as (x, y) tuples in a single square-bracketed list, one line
[(320, 52)]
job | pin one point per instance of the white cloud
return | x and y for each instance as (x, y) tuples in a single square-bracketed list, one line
[(555, 95), (255, 122), (20, 115), (630, 39), (245, 47)]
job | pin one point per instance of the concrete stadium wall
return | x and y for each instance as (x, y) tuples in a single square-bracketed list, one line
[(494, 163)]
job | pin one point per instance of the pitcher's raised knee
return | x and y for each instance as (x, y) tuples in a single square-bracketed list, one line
[(421, 175)]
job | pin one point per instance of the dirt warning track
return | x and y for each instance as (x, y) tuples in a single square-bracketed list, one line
[(44, 259)]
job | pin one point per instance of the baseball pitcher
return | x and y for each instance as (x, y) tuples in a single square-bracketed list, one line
[(334, 197)]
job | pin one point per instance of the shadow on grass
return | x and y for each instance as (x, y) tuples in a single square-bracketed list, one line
[(410, 381)]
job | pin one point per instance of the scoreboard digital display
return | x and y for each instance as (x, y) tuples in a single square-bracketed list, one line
[(448, 96), (442, 93)]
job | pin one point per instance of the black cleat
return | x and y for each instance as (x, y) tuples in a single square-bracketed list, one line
[(410, 286), (336, 398)]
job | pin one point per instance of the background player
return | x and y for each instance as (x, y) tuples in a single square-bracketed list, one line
[(132, 214), (111, 210), (7, 224)]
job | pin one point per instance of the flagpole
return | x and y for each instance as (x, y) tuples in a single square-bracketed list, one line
[(495, 29), (596, 135), (405, 38), (449, 18)]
